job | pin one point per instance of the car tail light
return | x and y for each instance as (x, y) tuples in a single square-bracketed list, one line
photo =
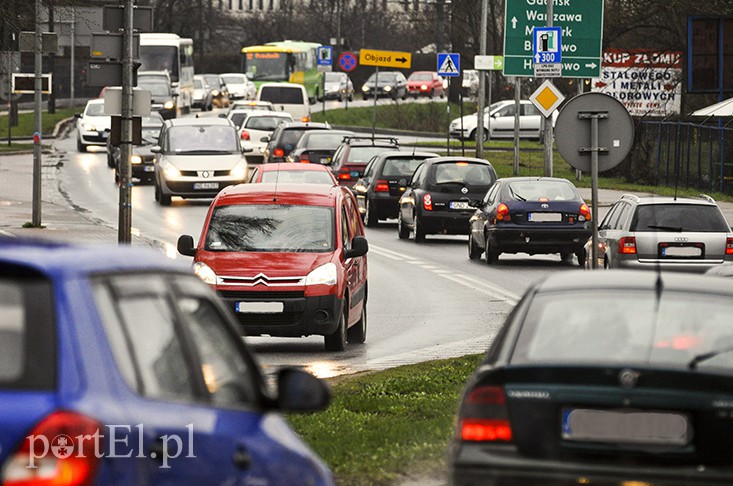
[(585, 212), (278, 152), (484, 417), (305, 119), (427, 202), (39, 459), (244, 135), (381, 186), (502, 213), (304, 159), (344, 175), (729, 246), (627, 245)]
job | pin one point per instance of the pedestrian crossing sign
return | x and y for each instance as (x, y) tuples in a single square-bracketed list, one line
[(449, 64)]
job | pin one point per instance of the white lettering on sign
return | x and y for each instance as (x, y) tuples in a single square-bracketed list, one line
[(561, 3), (558, 17)]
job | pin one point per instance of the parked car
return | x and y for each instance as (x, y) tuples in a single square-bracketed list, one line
[(288, 97), (296, 173), (92, 125), (288, 259), (351, 157), (284, 139), (256, 129), (162, 98), (112, 352), (535, 215), (425, 83), (385, 179), (620, 377), (390, 84), (239, 86), (338, 86), (437, 199), (219, 90), (142, 158), (678, 234), (202, 94), (318, 146), (499, 121), (196, 158)]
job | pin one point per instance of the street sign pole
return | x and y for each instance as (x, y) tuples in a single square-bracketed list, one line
[(37, 125), (374, 109), (482, 85), (547, 133), (125, 210), (517, 90)]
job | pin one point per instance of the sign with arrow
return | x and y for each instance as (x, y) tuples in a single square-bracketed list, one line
[(396, 59), (488, 63), (581, 25)]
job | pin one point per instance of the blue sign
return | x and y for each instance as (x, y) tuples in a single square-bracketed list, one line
[(449, 64), (547, 45), (347, 61), (325, 55)]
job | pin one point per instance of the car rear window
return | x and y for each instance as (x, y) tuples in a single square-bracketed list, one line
[(324, 139), (400, 167), (362, 155), (298, 176), (542, 191), (27, 331), (271, 228), (591, 327), (461, 172), (267, 123), (679, 217), (282, 94)]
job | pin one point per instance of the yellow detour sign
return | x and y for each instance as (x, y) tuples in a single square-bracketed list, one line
[(370, 57)]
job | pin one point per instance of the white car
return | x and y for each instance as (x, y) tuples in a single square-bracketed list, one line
[(256, 129), (240, 86), (501, 122), (92, 126)]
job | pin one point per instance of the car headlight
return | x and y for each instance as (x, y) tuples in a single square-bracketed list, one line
[(89, 127), (215, 92), (324, 275), (388, 88), (424, 87), (171, 172), (239, 171), (365, 88), (136, 159), (204, 272), (169, 105)]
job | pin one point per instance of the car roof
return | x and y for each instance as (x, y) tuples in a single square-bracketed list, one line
[(438, 160), (292, 166), (256, 113), (209, 121), (652, 199), (96, 101), (405, 154), (298, 124), (360, 140), (279, 193), (530, 178)]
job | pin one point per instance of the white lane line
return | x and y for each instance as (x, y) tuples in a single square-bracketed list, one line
[(390, 254), (498, 295), (494, 287)]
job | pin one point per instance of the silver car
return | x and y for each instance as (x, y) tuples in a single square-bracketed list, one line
[(678, 234)]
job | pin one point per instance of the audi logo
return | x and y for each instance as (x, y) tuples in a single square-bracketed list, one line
[(681, 239)]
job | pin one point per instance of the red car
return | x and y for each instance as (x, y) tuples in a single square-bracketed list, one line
[(288, 259), (425, 83), (296, 172)]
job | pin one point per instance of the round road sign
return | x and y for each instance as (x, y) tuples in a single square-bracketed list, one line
[(573, 131), (347, 61)]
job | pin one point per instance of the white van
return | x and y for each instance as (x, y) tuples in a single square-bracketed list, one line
[(289, 97)]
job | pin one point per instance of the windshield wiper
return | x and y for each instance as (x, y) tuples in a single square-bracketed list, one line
[(515, 195), (677, 229), (203, 151), (706, 356)]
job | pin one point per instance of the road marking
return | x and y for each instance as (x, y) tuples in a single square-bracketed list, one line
[(391, 254), (500, 296)]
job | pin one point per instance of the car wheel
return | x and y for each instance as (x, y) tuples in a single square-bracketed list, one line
[(402, 231), (474, 252), (80, 147), (356, 334), (492, 256), (473, 135), (157, 192), (370, 217), (580, 255), (117, 176), (417, 229), (337, 340), (351, 97), (566, 257)]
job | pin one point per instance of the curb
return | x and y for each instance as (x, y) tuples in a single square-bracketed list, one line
[(59, 129)]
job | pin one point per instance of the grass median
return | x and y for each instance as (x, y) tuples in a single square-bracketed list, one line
[(25, 126), (385, 426)]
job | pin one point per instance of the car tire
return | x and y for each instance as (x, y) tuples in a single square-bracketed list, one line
[(492, 256), (337, 340), (157, 192), (80, 147), (370, 217), (402, 232), (417, 230), (566, 257), (473, 135), (356, 334), (117, 176), (580, 255), (351, 97), (474, 252)]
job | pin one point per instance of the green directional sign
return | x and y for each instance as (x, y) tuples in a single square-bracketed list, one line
[(581, 40)]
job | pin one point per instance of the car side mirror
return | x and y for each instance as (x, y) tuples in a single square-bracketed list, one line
[(156, 149), (222, 115), (359, 247), (77, 115), (402, 183), (299, 391), (475, 203), (185, 245)]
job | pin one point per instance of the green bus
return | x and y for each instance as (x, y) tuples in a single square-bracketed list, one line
[(286, 62)]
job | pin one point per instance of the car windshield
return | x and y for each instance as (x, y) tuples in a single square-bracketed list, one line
[(212, 81), (265, 123), (462, 173), (271, 228), (401, 167), (282, 94), (203, 138), (362, 155), (421, 77), (155, 88), (383, 77), (298, 176), (542, 191), (323, 139), (679, 217), (333, 77), (591, 327), (94, 109), (231, 79)]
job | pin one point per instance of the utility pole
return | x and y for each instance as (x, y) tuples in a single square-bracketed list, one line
[(125, 210), (547, 129), (37, 125), (482, 83), (51, 62)]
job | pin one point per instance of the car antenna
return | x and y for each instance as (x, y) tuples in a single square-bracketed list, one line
[(414, 148)]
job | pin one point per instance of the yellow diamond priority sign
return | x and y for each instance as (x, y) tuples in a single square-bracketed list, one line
[(547, 98)]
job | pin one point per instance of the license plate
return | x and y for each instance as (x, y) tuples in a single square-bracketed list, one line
[(544, 217), (681, 251), (459, 205), (149, 168), (206, 185), (260, 307), (661, 428)]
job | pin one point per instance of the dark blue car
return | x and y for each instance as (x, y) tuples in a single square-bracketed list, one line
[(118, 366)]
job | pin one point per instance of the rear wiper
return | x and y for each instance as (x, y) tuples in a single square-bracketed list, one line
[(515, 195), (666, 228), (706, 356)]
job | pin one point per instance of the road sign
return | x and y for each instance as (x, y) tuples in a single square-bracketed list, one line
[(108, 73), (109, 46), (49, 42), (581, 23), (547, 45), (325, 55), (547, 98), (449, 64), (397, 59), (23, 83), (548, 70), (347, 61), (113, 18), (488, 63), (113, 101)]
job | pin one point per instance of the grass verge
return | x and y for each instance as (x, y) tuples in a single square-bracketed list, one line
[(25, 122), (382, 427)]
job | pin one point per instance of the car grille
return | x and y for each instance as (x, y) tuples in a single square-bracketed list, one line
[(253, 294), (195, 173), (279, 319)]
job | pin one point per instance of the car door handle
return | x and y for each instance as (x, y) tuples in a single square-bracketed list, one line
[(241, 458)]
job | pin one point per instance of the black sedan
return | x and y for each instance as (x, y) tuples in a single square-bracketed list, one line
[(604, 378), (387, 84), (141, 160), (530, 215), (437, 200), (385, 179)]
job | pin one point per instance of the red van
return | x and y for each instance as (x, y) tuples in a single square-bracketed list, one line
[(288, 259)]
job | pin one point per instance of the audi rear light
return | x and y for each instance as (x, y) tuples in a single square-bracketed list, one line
[(344, 175), (584, 212), (427, 202), (502, 213), (484, 416), (729, 246), (244, 135), (63, 449), (381, 186), (627, 245), (278, 152)]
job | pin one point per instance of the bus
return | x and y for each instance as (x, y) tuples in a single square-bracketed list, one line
[(169, 52), (285, 62)]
